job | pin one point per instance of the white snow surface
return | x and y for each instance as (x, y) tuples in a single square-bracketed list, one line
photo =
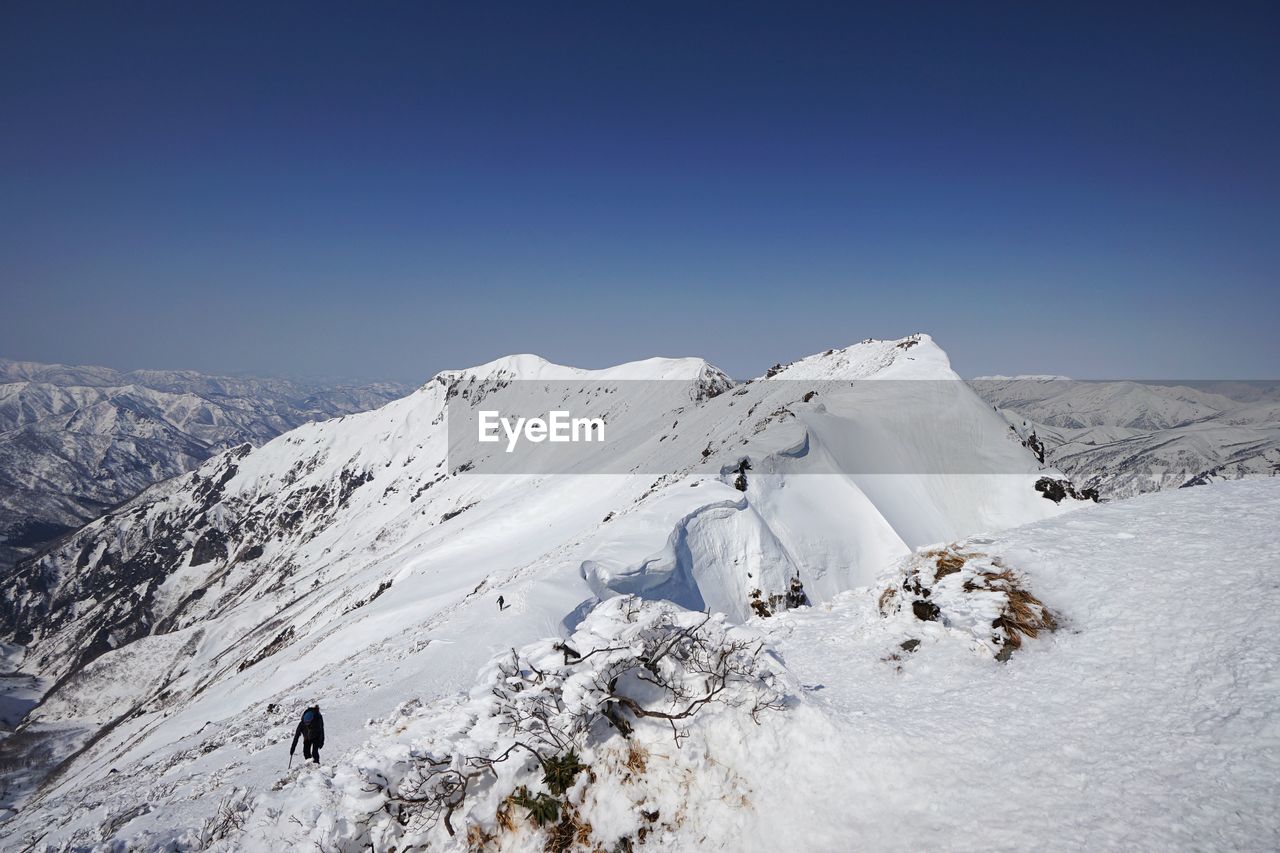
[(181, 716), (1149, 720)]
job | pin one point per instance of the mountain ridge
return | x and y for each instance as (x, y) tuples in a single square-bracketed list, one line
[(1125, 437), (76, 441), (360, 544)]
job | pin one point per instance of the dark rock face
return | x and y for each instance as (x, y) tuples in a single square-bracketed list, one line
[(250, 552), (908, 342), (1036, 446), (277, 643), (925, 611), (211, 546), (765, 606), (1059, 490), (1054, 490), (456, 512), (796, 596), (27, 534)]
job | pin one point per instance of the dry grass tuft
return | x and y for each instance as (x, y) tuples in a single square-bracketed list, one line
[(1024, 614), (637, 759), (479, 840), (572, 832), (506, 820), (886, 599), (947, 561)]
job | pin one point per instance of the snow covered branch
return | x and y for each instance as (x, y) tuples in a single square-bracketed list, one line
[(540, 713)]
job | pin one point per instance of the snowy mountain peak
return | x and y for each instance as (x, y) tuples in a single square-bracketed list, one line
[(526, 366), (916, 356), (371, 544)]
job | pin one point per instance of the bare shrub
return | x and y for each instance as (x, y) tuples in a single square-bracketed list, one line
[(228, 819), (649, 662)]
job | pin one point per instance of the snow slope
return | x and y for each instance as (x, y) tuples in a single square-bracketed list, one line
[(1150, 719), (356, 562)]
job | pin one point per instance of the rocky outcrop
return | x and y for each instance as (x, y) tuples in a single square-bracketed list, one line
[(1059, 490)]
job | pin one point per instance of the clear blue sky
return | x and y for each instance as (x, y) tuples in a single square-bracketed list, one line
[(387, 189)]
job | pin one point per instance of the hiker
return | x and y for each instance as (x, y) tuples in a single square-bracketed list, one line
[(501, 605), (311, 730)]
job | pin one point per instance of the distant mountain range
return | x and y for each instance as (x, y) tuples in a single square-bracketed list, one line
[(1126, 438), (76, 441)]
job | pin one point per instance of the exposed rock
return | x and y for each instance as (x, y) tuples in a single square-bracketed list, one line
[(1059, 490), (1036, 446), (211, 546), (925, 611)]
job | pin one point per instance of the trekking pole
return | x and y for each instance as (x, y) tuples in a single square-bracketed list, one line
[(290, 761)]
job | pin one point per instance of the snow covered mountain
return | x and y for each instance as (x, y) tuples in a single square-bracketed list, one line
[(1146, 720), (356, 562), (76, 441), (1126, 438)]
